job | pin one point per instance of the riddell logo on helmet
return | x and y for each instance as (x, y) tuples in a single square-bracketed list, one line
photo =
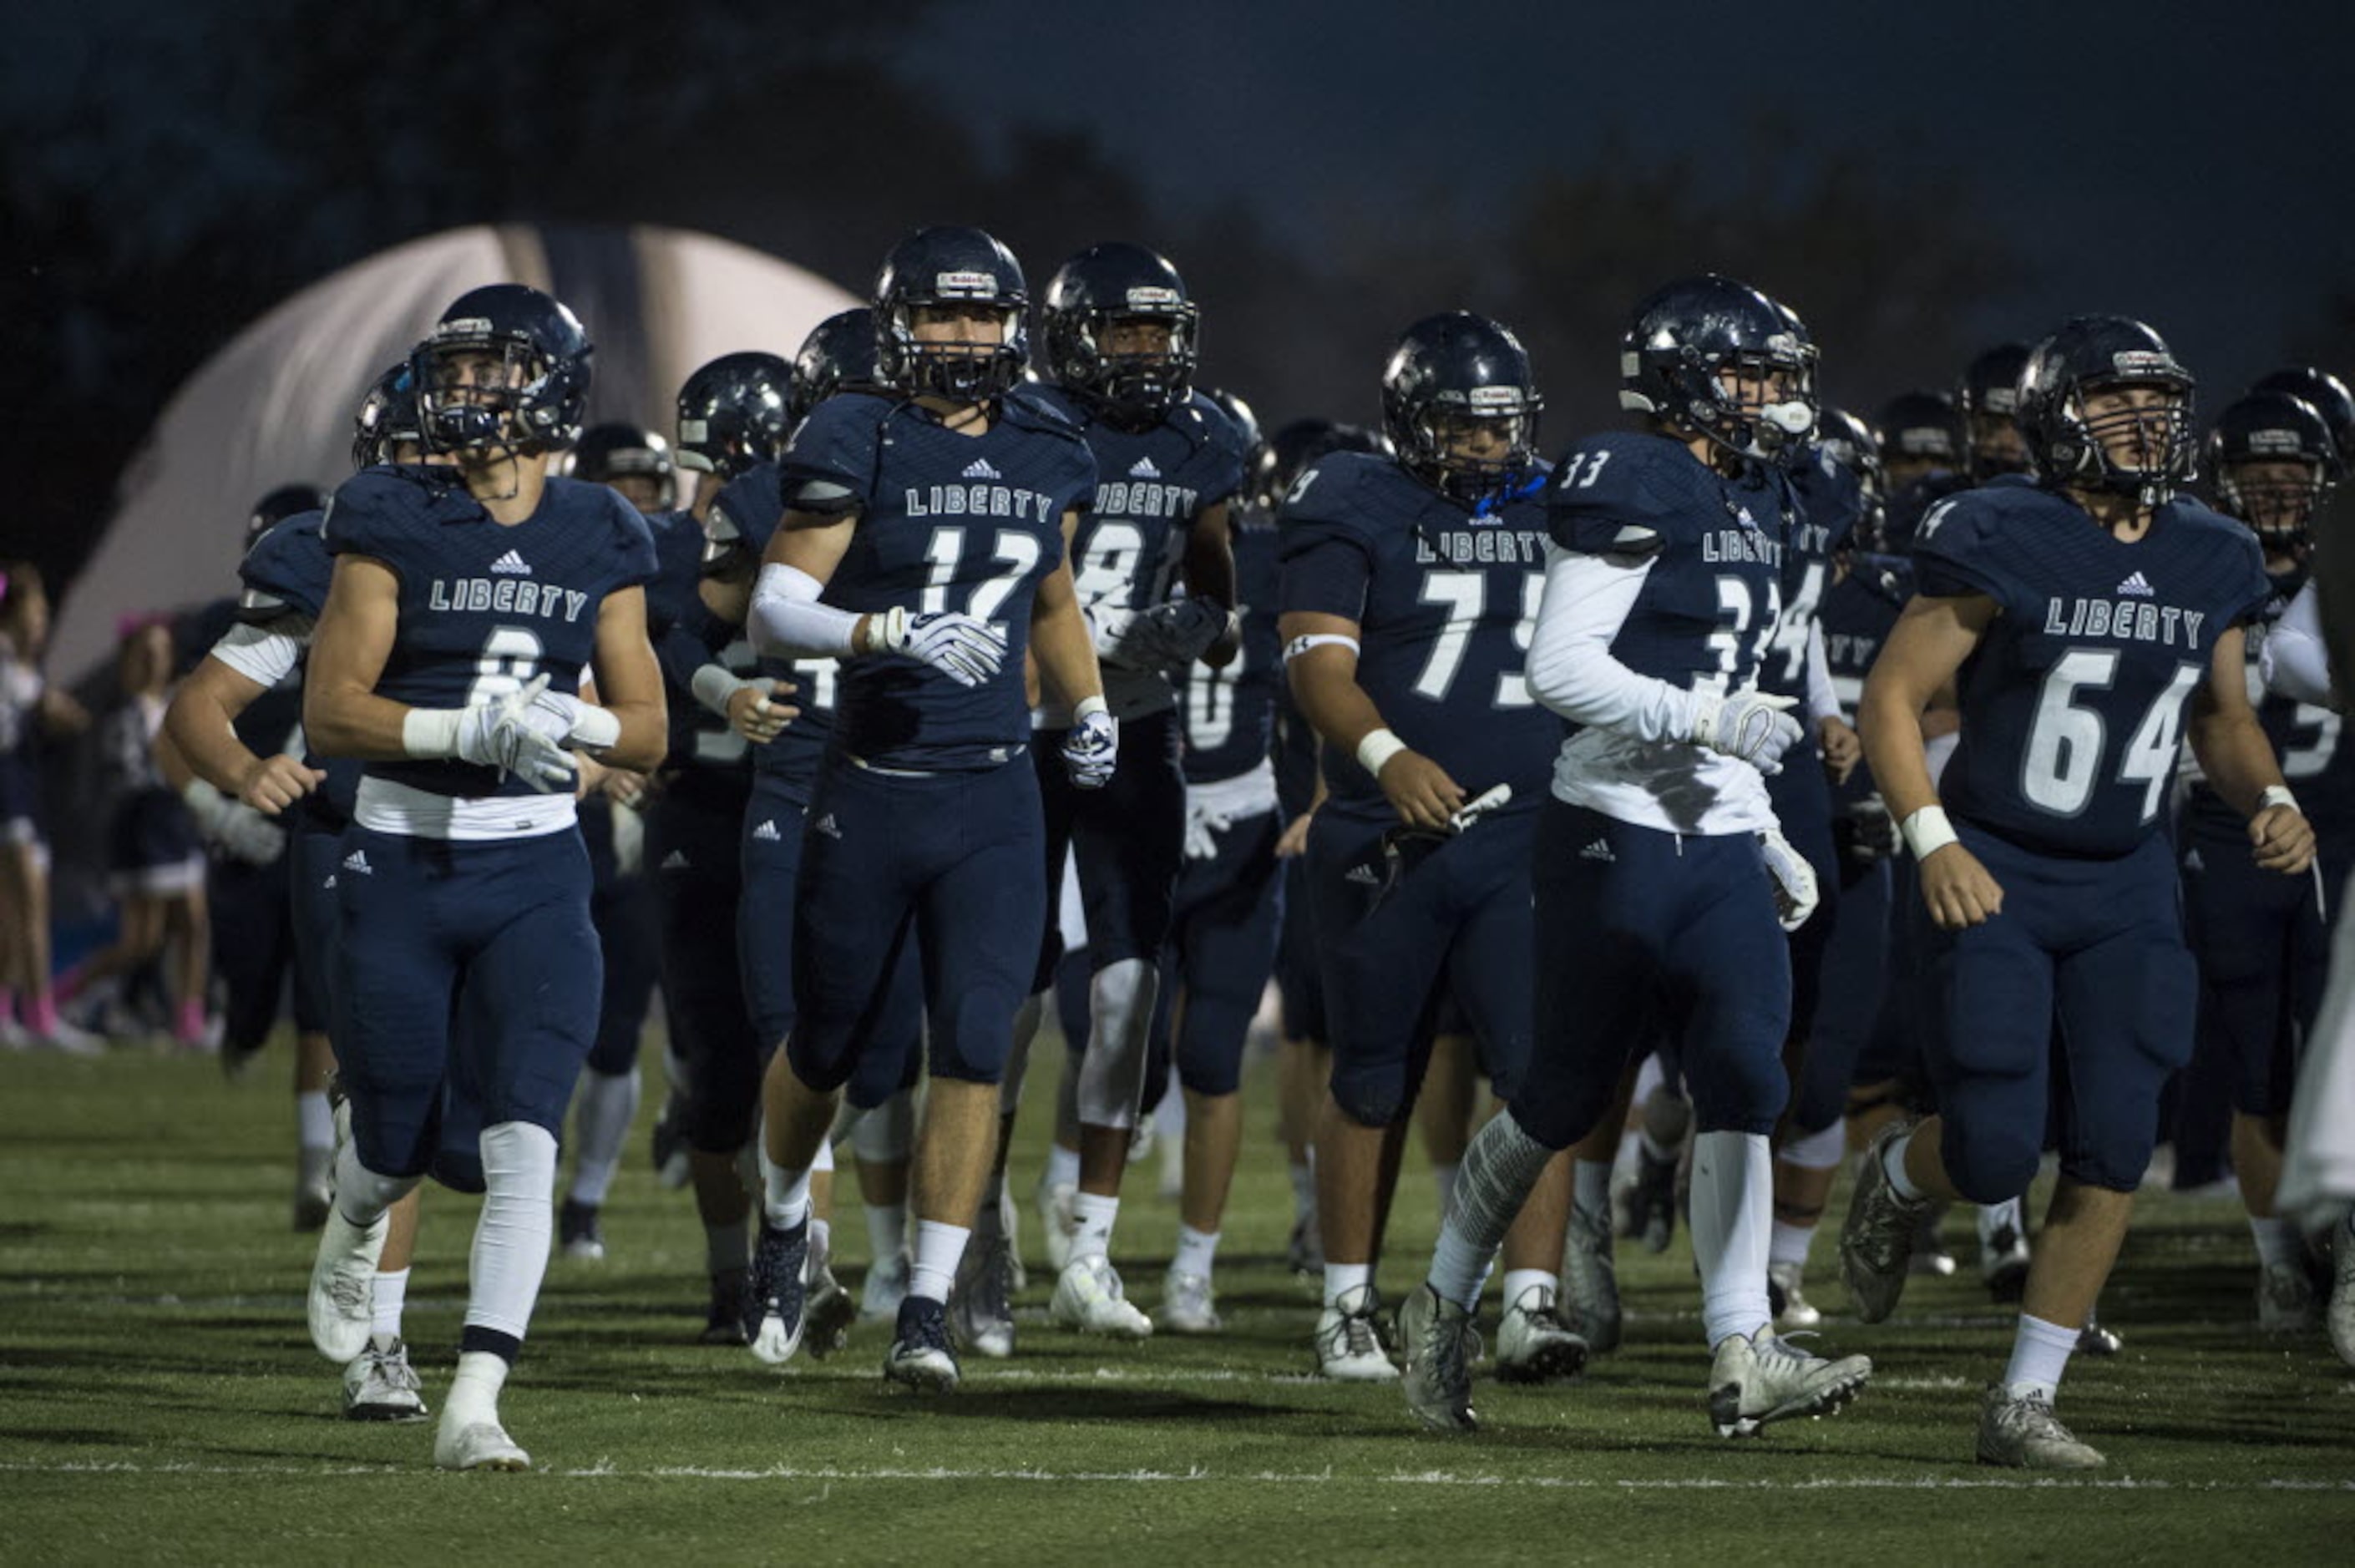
[(465, 326), (2144, 362), (1495, 397), (1146, 296), (2275, 443), (961, 284)]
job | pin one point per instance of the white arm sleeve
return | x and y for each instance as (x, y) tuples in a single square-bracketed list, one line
[(264, 654), (1823, 701), (786, 620), (1572, 671), (2292, 659)]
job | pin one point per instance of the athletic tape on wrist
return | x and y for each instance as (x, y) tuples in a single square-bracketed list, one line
[(1927, 831)]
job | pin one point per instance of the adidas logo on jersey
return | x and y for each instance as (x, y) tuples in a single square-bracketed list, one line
[(1145, 469), (827, 826), (512, 564), (1599, 850), (767, 832), (2136, 584), (356, 863), (1364, 875), (674, 860), (979, 468)]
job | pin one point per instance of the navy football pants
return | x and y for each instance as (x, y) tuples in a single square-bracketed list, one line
[(1221, 948)]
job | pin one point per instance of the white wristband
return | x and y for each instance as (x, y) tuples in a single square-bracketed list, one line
[(713, 686), (2277, 795), (431, 732), (1927, 831), (887, 632), (1377, 749), (1086, 706), (594, 729)]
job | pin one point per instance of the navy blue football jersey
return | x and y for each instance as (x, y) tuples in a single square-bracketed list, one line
[(1230, 714), (2317, 758), (686, 636), (1445, 602), (1907, 507), (749, 507), (1150, 486), (2072, 704), (286, 573), (1826, 503), (946, 522), (1857, 613), (485, 607)]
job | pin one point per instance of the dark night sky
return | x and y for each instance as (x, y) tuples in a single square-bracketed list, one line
[(2151, 159)]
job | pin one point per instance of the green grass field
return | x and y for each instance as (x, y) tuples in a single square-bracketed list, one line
[(159, 1397)]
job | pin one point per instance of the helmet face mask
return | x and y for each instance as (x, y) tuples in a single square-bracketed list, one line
[(636, 463), (1122, 331), (2273, 461), (2104, 406), (505, 372), (1460, 406), (936, 288)]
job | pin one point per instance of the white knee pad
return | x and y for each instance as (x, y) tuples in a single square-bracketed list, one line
[(1112, 1074), (885, 1134), (1816, 1150)]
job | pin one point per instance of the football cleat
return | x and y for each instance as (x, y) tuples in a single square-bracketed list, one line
[(1189, 1305), (885, 1287), (1349, 1345), (314, 1188), (2021, 1432), (1056, 1221), (1534, 1343), (1877, 1238), (2004, 1257), (1930, 1254), (1589, 1302), (479, 1445), (2286, 1301), (1439, 1338), (2341, 1316), (343, 1285), (2093, 1339), (381, 1386), (724, 1324), (776, 1293), (829, 1312), (1792, 1308), (921, 1356), (981, 1307), (1764, 1378), (579, 1232), (1088, 1298)]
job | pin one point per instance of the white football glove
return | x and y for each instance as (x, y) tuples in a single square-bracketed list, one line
[(1794, 879), (1166, 637), (967, 650), (585, 726), (239, 830), (1747, 724), (515, 735), (1092, 749), (1203, 826)]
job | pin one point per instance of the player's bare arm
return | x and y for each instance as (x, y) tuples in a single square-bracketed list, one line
[(2239, 761), (341, 712), (1324, 679), (1060, 640), (198, 727), (629, 683), (1210, 574), (1928, 644)]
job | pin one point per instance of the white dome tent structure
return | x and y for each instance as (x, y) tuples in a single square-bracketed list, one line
[(275, 407)]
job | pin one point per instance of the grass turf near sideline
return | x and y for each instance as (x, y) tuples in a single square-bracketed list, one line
[(159, 1393)]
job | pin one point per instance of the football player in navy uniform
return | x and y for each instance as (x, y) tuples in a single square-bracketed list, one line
[(924, 543), (1410, 585), (1986, 406), (1921, 457), (1663, 889), (2263, 940), (466, 603), (2085, 610)]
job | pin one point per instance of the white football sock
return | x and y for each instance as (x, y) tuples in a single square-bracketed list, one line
[(1062, 1166), (1092, 1217), (1340, 1279), (939, 1249), (1443, 1178), (785, 1194), (1500, 1167), (1789, 1244), (887, 1231), (602, 1109), (2040, 1354), (1732, 1211), (2278, 1241), (473, 1395), (1197, 1251), (1517, 1280), (821, 1246), (511, 1239), (391, 1296), (314, 1120), (1892, 1165)]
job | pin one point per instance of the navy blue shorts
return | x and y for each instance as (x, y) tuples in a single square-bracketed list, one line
[(248, 908), (2263, 954), (1456, 923), (1129, 836), (422, 922), (695, 861), (953, 862), (771, 859), (2096, 945), (1222, 949), (621, 909), (1638, 930), (312, 853)]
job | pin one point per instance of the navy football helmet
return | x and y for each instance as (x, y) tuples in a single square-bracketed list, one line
[(838, 354), (387, 418), (1989, 402), (950, 266), (1292, 450), (1919, 427), (2326, 394), (533, 403), (734, 413), (2089, 354), (1856, 447), (1105, 285), (1451, 374), (2286, 436), (286, 501), (634, 461), (1684, 335)]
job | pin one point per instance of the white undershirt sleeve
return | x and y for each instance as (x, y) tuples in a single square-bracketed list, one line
[(1570, 668), (1823, 701), (264, 654), (2294, 659), (786, 620)]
